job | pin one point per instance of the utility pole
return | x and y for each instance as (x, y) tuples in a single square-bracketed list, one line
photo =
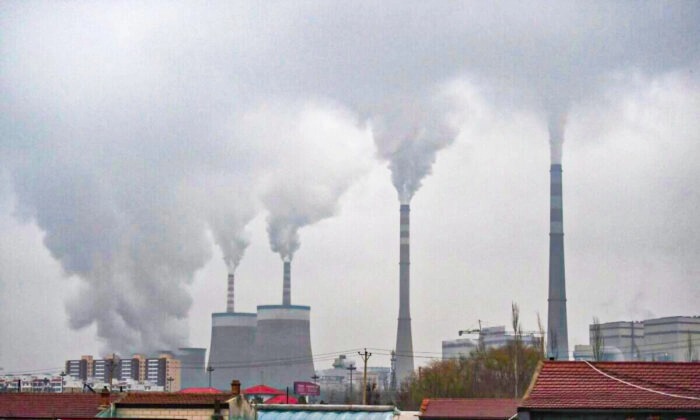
[(170, 383), (365, 356), (351, 368), (210, 369)]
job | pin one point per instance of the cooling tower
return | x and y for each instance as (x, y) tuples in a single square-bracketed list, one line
[(282, 346), (231, 350), (557, 333), (192, 374), (404, 340)]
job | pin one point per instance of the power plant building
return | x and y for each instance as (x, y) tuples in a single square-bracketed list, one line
[(490, 337), (675, 338)]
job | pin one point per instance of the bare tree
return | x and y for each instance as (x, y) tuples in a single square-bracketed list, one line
[(517, 337), (597, 341)]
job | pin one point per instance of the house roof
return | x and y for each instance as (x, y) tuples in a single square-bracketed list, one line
[(204, 390), (615, 385), (51, 405), (282, 399), (325, 412), (262, 390), (469, 408), (172, 399)]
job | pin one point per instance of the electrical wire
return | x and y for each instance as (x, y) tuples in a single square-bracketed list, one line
[(687, 397)]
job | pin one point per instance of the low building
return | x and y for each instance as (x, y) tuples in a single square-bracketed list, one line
[(613, 390), (53, 405), (171, 405), (468, 408)]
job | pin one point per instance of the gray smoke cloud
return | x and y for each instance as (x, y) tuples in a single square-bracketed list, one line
[(108, 112), (310, 175), (408, 134), (228, 216)]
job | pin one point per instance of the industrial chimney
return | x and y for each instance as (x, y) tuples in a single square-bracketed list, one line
[(229, 296), (558, 338), (404, 340), (287, 284)]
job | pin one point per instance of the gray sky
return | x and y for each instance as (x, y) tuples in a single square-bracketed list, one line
[(143, 147)]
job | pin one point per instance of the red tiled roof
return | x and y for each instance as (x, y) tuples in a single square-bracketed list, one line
[(469, 408), (172, 399), (647, 385), (262, 390), (201, 391), (282, 399), (51, 405)]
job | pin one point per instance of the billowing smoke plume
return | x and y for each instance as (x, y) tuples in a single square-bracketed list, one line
[(229, 214), (314, 167), (408, 134), (107, 110)]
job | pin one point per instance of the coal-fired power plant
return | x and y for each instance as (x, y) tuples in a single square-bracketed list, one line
[(558, 338), (232, 341), (404, 339)]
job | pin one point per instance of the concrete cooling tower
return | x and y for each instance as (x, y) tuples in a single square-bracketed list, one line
[(231, 350), (283, 346), (557, 332), (192, 361)]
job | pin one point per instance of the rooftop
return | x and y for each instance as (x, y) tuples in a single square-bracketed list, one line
[(51, 405), (172, 399), (469, 408), (615, 385)]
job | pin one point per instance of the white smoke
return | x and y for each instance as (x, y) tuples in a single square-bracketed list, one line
[(409, 133), (108, 110), (314, 165)]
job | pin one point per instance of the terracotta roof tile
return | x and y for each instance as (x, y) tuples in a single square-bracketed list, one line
[(469, 408), (172, 399), (578, 385), (51, 405)]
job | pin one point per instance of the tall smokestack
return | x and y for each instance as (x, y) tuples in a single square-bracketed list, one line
[(404, 340), (558, 341), (287, 285), (229, 296)]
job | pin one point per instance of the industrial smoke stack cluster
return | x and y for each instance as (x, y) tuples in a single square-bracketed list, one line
[(272, 346), (404, 339), (557, 333)]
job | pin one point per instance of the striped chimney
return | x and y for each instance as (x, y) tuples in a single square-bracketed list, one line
[(558, 338), (404, 340), (229, 296), (287, 285)]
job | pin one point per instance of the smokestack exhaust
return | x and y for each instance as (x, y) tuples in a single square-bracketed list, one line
[(229, 296), (558, 338), (287, 285), (404, 339)]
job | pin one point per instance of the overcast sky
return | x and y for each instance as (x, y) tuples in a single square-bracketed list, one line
[(147, 149)]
